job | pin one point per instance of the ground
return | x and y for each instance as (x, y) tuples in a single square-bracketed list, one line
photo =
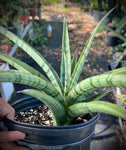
[(80, 26)]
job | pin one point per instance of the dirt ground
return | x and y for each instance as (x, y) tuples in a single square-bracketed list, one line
[(81, 25)]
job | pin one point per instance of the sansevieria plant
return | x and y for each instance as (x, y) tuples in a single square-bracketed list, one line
[(65, 97)]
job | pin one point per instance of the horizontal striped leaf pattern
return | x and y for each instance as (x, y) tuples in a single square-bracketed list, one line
[(35, 55), (92, 83), (21, 65), (30, 80), (96, 106)]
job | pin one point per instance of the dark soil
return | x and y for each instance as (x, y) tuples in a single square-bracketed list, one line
[(42, 116), (39, 115)]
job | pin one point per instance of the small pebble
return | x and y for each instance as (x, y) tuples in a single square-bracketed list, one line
[(31, 110), (40, 115), (33, 118)]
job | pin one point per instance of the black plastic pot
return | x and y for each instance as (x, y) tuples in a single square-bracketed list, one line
[(19, 29), (90, 11), (85, 3), (11, 26), (73, 137), (98, 15), (112, 40), (114, 64)]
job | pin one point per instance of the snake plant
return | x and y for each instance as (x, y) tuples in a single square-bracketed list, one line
[(65, 97)]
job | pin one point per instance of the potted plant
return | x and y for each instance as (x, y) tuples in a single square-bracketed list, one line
[(23, 14), (85, 3), (115, 34), (98, 10), (37, 37), (3, 20), (65, 98), (8, 23), (15, 7), (31, 8), (36, 3), (2, 37), (19, 25), (119, 52), (3, 49), (120, 96), (2, 12), (6, 43)]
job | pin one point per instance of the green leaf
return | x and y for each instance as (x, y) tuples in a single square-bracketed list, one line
[(30, 80), (96, 106), (58, 111), (81, 61), (118, 59), (35, 55), (92, 83), (121, 24), (91, 98), (117, 71), (96, 97), (116, 33), (73, 63), (63, 70), (21, 65), (66, 60), (83, 96)]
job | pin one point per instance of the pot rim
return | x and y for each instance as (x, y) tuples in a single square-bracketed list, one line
[(94, 118), (52, 127)]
